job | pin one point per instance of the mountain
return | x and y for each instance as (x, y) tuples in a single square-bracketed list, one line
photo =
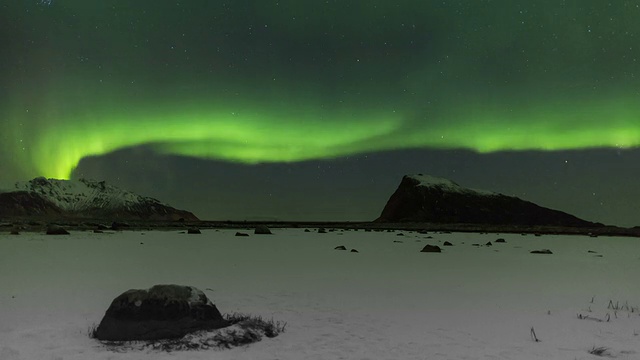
[(428, 199), (87, 199), (25, 204)]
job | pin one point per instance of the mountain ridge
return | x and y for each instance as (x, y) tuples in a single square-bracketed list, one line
[(425, 198), (83, 198)]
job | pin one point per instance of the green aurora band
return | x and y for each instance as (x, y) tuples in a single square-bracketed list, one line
[(255, 84), (285, 136)]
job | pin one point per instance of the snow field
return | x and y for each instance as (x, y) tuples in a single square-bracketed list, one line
[(389, 301)]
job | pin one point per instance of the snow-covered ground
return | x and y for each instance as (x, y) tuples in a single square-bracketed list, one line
[(389, 301)]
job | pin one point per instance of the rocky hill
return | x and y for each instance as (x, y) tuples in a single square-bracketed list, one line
[(83, 199), (428, 199)]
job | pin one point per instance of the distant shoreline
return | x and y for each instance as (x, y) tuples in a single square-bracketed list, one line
[(30, 225)]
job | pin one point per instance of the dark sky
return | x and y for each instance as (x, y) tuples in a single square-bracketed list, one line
[(314, 110)]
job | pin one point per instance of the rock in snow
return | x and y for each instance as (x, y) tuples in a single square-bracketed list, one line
[(543, 251), (161, 312), (262, 230), (423, 198), (431, 248), (56, 230)]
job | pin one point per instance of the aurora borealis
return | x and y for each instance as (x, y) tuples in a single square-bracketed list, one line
[(283, 82)]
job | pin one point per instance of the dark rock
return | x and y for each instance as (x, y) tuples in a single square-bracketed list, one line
[(193, 231), (307, 230), (399, 234), (262, 230), (592, 252), (354, 250), (341, 247), (475, 244), (422, 198), (162, 312), (322, 231), (501, 240), (119, 225), (56, 230), (536, 234), (431, 248), (446, 243), (98, 231), (398, 241), (543, 251), (488, 244), (14, 232), (241, 234)]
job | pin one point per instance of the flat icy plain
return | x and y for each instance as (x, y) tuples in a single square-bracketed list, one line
[(388, 301)]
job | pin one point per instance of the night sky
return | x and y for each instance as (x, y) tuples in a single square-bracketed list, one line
[(313, 110)]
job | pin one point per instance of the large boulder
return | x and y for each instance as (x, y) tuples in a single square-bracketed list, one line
[(161, 312)]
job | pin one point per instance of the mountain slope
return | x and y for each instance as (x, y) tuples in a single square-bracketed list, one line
[(83, 199), (24, 204), (423, 198)]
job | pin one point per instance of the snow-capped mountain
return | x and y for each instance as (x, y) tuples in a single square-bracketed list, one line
[(447, 185), (429, 199), (80, 195), (86, 199)]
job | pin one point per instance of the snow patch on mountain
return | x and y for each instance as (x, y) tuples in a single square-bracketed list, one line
[(83, 194), (447, 185)]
